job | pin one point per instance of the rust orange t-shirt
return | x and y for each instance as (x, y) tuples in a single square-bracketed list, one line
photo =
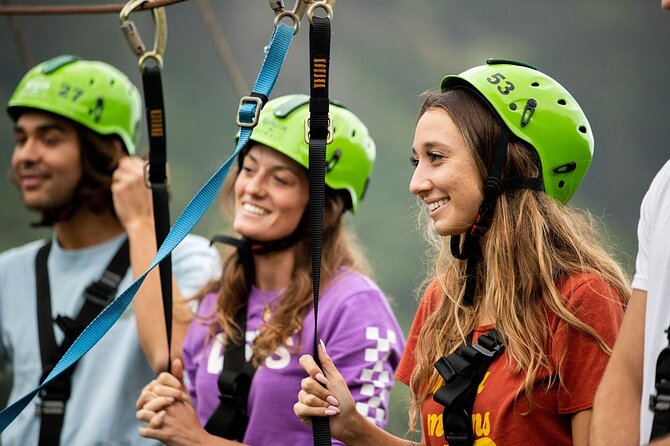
[(501, 413)]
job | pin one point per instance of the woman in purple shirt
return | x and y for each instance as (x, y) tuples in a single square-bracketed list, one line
[(269, 274)]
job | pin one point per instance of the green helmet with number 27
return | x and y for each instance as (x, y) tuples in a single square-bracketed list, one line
[(91, 93), (539, 111)]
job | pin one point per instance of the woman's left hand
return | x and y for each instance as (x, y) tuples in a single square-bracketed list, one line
[(175, 425), (167, 409)]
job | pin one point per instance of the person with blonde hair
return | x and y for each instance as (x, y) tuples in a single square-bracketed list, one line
[(259, 312), (524, 303)]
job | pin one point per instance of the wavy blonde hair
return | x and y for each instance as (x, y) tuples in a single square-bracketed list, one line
[(339, 249), (533, 241)]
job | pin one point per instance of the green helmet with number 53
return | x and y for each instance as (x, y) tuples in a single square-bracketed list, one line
[(539, 111), (350, 155), (91, 93)]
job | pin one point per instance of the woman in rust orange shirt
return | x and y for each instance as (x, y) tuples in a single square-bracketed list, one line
[(498, 153)]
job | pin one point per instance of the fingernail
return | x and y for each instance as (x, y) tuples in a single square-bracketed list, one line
[(336, 409), (332, 400), (330, 412), (323, 346), (322, 379)]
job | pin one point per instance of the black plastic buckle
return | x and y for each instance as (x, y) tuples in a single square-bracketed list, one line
[(488, 346), (659, 403), (49, 407), (99, 293)]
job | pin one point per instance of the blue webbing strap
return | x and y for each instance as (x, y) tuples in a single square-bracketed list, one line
[(277, 49)]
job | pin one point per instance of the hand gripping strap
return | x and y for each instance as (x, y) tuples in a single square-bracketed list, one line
[(279, 44)]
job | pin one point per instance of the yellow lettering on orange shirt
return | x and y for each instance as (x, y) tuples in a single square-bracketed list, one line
[(481, 425), (435, 427), (481, 384)]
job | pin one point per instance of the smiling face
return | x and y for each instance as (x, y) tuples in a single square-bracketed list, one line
[(46, 160), (446, 177), (271, 192)]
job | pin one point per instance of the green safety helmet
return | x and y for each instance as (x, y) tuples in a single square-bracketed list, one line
[(91, 93), (539, 111), (349, 157)]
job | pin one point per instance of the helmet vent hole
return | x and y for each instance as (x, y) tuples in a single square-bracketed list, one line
[(561, 101), (91, 81), (582, 129), (111, 82), (353, 133), (512, 106), (561, 183), (535, 84)]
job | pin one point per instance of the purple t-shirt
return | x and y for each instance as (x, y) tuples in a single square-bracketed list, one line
[(362, 337)]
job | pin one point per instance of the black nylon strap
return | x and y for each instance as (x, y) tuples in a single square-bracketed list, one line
[(155, 114), (462, 372), (660, 402), (230, 418), (319, 63), (97, 295)]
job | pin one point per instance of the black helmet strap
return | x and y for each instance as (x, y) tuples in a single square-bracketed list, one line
[(494, 186)]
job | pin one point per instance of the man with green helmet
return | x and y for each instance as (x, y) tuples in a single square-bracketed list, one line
[(76, 124)]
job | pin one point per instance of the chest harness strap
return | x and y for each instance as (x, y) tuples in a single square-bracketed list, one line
[(660, 402), (230, 418), (54, 396), (462, 372)]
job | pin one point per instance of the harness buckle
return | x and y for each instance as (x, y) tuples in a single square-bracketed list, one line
[(49, 407), (99, 293), (147, 181), (659, 403), (329, 138), (257, 111), (479, 227)]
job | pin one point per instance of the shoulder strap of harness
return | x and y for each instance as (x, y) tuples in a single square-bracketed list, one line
[(462, 372), (230, 418), (51, 408), (660, 402)]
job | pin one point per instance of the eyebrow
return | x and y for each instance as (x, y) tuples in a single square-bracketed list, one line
[(275, 167), (43, 128), (431, 145)]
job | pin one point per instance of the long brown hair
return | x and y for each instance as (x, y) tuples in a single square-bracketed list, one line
[(339, 249), (533, 241)]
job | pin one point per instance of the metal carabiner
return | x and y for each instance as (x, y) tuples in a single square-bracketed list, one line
[(135, 40), (326, 5), (295, 15)]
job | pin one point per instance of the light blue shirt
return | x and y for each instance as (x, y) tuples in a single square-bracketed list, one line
[(109, 378)]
